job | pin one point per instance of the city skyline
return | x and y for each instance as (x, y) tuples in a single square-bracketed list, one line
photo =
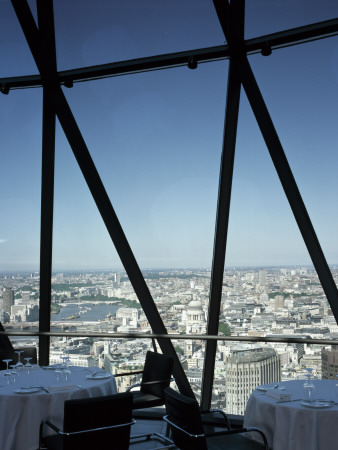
[(156, 140), (35, 271)]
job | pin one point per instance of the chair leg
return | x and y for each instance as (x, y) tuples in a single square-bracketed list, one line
[(167, 431), (153, 436)]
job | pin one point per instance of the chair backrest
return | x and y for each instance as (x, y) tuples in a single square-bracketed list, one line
[(184, 412), (5, 343), (89, 413), (157, 367)]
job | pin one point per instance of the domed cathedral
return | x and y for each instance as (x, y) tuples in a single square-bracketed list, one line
[(195, 320)]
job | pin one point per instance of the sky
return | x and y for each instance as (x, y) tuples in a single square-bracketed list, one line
[(156, 139)]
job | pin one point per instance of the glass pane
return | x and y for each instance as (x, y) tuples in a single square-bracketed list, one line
[(277, 292), (161, 176), (20, 205), (81, 241), (15, 54), (305, 121), (192, 359), (259, 209), (242, 367), (87, 274), (159, 171), (265, 17), (90, 33)]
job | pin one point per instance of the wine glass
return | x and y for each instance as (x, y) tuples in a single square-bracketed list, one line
[(13, 372), (64, 361), (28, 365), (66, 369), (308, 372), (58, 374), (19, 364), (7, 373), (309, 387)]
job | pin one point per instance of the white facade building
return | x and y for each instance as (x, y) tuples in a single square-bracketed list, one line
[(247, 367)]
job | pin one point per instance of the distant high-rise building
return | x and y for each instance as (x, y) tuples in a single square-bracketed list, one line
[(262, 277), (330, 363), (264, 298), (247, 367), (8, 299), (26, 298), (279, 301), (116, 277)]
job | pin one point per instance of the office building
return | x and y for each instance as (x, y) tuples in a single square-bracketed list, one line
[(247, 367), (329, 360), (7, 299)]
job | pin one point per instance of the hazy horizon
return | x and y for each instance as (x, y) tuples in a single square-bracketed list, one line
[(164, 269)]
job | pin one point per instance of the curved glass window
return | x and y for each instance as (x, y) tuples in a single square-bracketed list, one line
[(20, 203)]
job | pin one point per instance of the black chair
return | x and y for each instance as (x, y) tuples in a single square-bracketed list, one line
[(92, 423), (28, 352), (156, 377), (185, 420)]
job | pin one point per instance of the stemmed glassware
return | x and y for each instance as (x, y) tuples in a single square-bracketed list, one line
[(58, 374), (64, 361), (65, 367), (67, 371), (28, 365), (13, 372), (309, 387), (7, 373), (19, 364)]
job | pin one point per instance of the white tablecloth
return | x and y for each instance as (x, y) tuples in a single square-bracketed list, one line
[(292, 426), (21, 414)]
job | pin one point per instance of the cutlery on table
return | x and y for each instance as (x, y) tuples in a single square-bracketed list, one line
[(35, 387)]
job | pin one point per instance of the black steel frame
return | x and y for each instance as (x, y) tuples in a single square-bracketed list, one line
[(41, 41), (274, 41)]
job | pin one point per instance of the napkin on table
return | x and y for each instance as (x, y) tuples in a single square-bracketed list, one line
[(282, 396)]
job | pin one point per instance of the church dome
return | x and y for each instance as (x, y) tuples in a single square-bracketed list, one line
[(195, 305)]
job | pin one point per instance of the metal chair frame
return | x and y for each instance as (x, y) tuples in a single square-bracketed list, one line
[(218, 433), (72, 433)]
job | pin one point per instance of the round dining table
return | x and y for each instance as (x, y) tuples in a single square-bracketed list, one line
[(292, 421), (30, 396)]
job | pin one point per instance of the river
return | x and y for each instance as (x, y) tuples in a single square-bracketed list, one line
[(86, 312)]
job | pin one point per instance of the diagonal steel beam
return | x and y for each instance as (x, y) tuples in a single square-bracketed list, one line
[(289, 184), (100, 196), (224, 14), (232, 21), (221, 229)]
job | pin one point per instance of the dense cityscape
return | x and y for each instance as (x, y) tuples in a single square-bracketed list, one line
[(261, 302)]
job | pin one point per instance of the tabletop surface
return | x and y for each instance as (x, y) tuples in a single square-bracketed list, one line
[(323, 390), (51, 379), (28, 398), (292, 422)]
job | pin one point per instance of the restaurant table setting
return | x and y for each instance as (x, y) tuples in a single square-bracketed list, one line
[(31, 394), (296, 415)]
